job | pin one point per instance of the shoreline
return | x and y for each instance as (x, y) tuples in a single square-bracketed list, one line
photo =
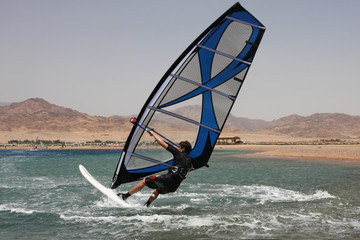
[(339, 152)]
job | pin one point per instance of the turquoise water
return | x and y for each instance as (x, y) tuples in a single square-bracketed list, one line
[(44, 196)]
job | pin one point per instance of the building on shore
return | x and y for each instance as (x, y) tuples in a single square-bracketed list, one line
[(229, 140)]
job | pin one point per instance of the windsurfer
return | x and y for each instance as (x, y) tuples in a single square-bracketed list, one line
[(168, 182)]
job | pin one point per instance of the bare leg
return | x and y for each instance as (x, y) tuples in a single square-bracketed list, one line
[(140, 185), (153, 196)]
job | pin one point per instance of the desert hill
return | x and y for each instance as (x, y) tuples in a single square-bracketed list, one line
[(319, 125), (36, 117), (38, 114)]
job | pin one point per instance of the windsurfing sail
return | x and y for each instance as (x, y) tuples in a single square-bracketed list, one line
[(194, 98)]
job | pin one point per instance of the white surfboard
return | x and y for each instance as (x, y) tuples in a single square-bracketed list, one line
[(106, 191)]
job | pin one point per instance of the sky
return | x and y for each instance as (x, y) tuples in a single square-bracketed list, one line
[(104, 58)]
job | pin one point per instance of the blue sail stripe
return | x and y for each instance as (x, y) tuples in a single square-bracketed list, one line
[(208, 114), (201, 142)]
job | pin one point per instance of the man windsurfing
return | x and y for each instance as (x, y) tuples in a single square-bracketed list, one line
[(168, 182)]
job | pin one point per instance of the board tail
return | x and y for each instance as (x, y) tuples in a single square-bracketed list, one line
[(104, 190)]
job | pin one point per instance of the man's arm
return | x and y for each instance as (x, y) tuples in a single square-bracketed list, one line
[(158, 139)]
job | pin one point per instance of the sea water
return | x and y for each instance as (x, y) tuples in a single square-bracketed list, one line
[(240, 196)]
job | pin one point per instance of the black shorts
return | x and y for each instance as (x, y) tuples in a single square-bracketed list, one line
[(162, 183)]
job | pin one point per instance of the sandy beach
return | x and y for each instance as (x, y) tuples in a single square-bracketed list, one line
[(329, 152), (286, 146)]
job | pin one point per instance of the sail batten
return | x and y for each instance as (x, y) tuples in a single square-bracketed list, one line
[(184, 118), (150, 159), (247, 23), (193, 99), (224, 54), (202, 86)]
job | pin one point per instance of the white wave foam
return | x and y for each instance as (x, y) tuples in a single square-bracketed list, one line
[(265, 194), (201, 194), (105, 202), (15, 209), (204, 193), (78, 218)]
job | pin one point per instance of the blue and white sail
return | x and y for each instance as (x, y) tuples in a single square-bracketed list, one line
[(206, 77)]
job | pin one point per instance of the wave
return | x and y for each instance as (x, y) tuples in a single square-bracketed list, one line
[(261, 194), (14, 209), (264, 194)]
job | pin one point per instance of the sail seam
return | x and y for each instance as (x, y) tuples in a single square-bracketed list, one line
[(203, 86), (183, 118), (224, 54), (246, 23)]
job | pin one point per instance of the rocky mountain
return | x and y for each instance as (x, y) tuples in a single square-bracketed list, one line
[(245, 123), (37, 117), (320, 125), (38, 114)]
